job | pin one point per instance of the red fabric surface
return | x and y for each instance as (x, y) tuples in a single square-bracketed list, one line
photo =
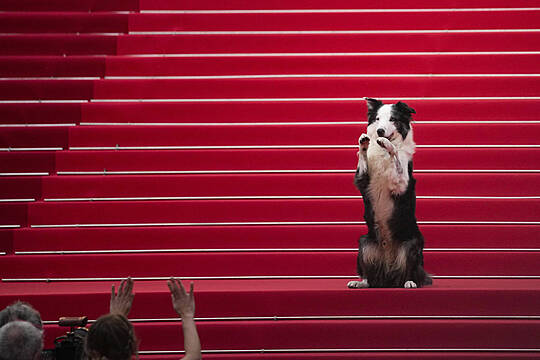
[(69, 5), (202, 211), (34, 137), (156, 44), (431, 355), (293, 159), (264, 237), (237, 298), (16, 162), (291, 88), (19, 66), (335, 334), (428, 184), (373, 64), (45, 44), (253, 264), (40, 113), (334, 21), (63, 22), (427, 110), (323, 4), (424, 134)]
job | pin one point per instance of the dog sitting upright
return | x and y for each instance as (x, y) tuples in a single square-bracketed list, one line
[(391, 254)]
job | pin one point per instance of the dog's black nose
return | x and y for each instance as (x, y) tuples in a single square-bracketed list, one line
[(380, 132)]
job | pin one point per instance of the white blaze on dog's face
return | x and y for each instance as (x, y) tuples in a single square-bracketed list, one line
[(390, 121), (382, 126)]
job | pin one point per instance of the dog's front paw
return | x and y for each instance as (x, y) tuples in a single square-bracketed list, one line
[(363, 142), (410, 285), (357, 284), (386, 144)]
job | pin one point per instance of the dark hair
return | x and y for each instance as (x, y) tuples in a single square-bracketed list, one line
[(111, 336)]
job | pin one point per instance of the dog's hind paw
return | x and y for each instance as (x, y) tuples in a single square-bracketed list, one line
[(357, 284), (410, 285)]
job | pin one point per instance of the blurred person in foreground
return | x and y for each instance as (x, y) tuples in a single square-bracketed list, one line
[(21, 332), (112, 336)]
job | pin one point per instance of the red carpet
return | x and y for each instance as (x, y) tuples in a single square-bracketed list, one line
[(213, 141)]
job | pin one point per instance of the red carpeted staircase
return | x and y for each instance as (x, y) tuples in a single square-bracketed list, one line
[(216, 141)]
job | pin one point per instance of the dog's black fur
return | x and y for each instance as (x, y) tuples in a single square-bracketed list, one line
[(395, 259)]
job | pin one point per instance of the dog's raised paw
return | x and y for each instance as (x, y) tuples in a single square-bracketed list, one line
[(410, 285), (363, 141), (386, 144), (357, 284)]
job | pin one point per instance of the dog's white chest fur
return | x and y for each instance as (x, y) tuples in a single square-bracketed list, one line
[(385, 181), (380, 167)]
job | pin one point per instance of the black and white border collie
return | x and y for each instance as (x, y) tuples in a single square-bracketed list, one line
[(391, 254)]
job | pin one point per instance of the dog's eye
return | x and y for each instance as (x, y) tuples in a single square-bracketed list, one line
[(377, 118)]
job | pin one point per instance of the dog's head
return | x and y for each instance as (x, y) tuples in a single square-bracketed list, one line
[(389, 121)]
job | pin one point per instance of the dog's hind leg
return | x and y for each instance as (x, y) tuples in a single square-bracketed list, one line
[(368, 258)]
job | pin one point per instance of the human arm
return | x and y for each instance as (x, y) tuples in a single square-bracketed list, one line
[(184, 305), (121, 302)]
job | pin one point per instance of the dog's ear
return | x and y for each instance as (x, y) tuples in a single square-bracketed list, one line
[(373, 104), (401, 106)]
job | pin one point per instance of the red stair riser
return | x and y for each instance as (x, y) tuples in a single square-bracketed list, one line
[(271, 159), (267, 88), (254, 264), (162, 44), (372, 64), (489, 184), (57, 44), (423, 134), (51, 66), (69, 5), (267, 210), (340, 334), (62, 22), (427, 110), (229, 298), (335, 21), (318, 4), (262, 237)]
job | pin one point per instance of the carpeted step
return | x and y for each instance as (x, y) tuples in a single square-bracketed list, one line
[(345, 64), (57, 44), (69, 5), (51, 66), (59, 66), (312, 210), (297, 135), (321, 4), (260, 111), (212, 185), (64, 22), (524, 19), (270, 159), (361, 355), (87, 44), (325, 134), (342, 334), (79, 22), (267, 160), (260, 298), (310, 43), (335, 87), (284, 237), (247, 264)]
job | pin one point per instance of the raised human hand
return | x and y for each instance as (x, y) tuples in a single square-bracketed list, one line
[(183, 303), (121, 302)]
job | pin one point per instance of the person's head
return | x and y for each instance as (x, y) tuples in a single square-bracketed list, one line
[(21, 311), (111, 337), (20, 340)]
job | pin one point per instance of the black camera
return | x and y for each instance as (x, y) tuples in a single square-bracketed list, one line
[(71, 345)]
